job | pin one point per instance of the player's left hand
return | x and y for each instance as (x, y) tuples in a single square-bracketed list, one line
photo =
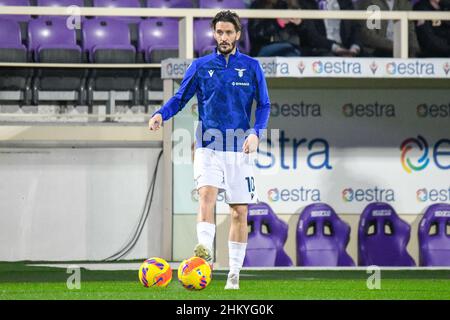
[(250, 144)]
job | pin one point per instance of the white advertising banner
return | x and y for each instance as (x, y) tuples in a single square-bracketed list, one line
[(329, 67)]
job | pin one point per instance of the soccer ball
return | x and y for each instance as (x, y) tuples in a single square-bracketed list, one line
[(155, 272), (194, 273)]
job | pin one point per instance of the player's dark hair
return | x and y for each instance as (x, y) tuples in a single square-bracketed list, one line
[(227, 16)]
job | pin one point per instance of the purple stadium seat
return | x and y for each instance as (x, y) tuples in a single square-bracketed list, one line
[(10, 35), (67, 4), (24, 3), (204, 42), (266, 249), (169, 3), (132, 21), (104, 34), (383, 237), (12, 50), (434, 236), (222, 4), (158, 39), (120, 4), (322, 237), (108, 41), (50, 41)]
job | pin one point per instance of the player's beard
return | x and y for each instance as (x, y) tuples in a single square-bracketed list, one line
[(227, 51)]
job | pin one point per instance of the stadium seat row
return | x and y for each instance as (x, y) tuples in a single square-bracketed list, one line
[(116, 40), (205, 4), (102, 40), (50, 41), (322, 237), (201, 25)]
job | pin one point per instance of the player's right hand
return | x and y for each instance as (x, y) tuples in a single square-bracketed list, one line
[(155, 122)]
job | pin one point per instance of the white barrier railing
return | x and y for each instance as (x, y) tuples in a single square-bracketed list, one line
[(186, 16)]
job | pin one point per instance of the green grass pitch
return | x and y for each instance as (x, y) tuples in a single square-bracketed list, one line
[(19, 281)]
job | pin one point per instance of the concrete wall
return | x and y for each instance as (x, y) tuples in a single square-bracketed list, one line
[(77, 192)]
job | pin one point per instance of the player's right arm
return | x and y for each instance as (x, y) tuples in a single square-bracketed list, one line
[(186, 91)]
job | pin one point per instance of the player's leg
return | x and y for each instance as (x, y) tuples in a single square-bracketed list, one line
[(237, 243), (206, 229), (208, 177), (240, 191)]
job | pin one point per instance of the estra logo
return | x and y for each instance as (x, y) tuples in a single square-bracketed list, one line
[(347, 195), (300, 109), (177, 69), (411, 144), (416, 155), (336, 67), (273, 195), (422, 195), (317, 67), (370, 110), (368, 194), (432, 110), (295, 194), (433, 195), (410, 68)]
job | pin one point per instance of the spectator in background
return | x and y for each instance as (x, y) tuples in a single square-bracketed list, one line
[(379, 42), (433, 36), (285, 37), (274, 37), (339, 37)]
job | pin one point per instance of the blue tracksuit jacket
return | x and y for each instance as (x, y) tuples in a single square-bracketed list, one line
[(225, 94)]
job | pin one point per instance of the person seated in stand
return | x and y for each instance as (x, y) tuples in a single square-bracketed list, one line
[(285, 37), (433, 35), (379, 42), (274, 37), (341, 36)]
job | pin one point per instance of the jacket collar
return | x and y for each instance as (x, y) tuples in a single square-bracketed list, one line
[(236, 54)]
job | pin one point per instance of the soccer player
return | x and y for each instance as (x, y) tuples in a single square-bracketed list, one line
[(226, 82)]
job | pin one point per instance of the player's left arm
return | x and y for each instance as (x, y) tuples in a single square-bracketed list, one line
[(262, 112)]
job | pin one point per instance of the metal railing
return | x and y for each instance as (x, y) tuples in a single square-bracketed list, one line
[(186, 25)]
